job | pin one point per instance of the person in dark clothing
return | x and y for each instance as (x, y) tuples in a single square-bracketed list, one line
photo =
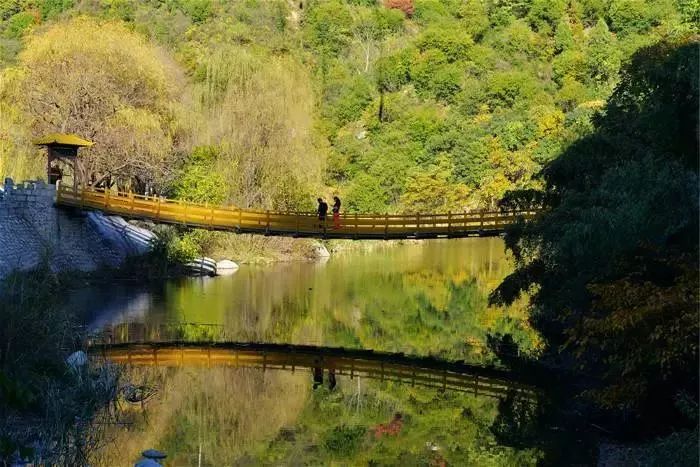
[(322, 212), (336, 212), (331, 379), (318, 376)]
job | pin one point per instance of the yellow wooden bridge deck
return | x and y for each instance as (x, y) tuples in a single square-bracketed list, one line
[(296, 224)]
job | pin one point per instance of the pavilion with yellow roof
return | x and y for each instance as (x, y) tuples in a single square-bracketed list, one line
[(62, 150)]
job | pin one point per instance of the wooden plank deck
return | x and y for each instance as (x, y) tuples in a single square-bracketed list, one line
[(294, 224)]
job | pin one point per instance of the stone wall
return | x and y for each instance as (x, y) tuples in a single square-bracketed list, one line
[(33, 231)]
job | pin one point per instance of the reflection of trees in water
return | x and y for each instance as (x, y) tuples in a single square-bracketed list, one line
[(225, 412), (354, 300), (357, 424), (427, 299)]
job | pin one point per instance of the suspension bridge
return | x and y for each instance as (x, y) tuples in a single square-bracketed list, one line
[(293, 224)]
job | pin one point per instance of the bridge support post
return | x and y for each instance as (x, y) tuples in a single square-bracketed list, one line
[(386, 226), (449, 223)]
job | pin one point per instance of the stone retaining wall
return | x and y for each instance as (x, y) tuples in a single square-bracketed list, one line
[(33, 231)]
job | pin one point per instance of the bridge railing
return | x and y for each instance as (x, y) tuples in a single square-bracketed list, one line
[(153, 333), (201, 344), (383, 367), (351, 225)]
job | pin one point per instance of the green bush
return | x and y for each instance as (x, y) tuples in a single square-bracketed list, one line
[(346, 98), (393, 72), (327, 27), (198, 10), (344, 440), (451, 42), (630, 16), (199, 180), (52, 8), (17, 24), (367, 195)]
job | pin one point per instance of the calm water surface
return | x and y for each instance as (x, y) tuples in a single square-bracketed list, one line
[(427, 298)]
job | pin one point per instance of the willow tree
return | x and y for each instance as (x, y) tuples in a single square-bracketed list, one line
[(108, 84), (256, 113)]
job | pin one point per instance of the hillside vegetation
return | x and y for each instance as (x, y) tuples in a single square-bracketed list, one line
[(398, 106)]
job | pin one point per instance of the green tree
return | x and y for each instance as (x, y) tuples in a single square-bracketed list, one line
[(545, 14), (474, 18), (433, 190), (563, 37), (630, 16), (602, 55), (114, 89), (452, 43), (328, 27), (200, 181), (367, 195), (198, 10), (614, 254)]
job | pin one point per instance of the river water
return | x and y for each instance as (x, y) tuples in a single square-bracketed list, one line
[(420, 298)]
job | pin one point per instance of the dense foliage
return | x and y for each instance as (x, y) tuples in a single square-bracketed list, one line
[(613, 261), (465, 100), (408, 104), (412, 105)]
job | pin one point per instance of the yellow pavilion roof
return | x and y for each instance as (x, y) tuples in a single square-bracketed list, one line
[(62, 139)]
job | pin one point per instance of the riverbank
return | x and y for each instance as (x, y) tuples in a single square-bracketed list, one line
[(258, 249), (54, 404)]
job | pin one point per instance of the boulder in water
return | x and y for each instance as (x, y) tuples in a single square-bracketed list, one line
[(226, 267), (320, 251)]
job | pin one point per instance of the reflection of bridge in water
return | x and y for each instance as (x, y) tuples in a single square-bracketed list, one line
[(144, 345)]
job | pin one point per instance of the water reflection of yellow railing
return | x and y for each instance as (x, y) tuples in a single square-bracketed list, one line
[(359, 226), (380, 366)]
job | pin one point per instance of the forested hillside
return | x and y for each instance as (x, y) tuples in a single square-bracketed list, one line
[(397, 105)]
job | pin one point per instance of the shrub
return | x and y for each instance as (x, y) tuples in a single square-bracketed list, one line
[(19, 23), (344, 440)]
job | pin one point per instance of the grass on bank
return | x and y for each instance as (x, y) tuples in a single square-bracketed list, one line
[(49, 409)]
